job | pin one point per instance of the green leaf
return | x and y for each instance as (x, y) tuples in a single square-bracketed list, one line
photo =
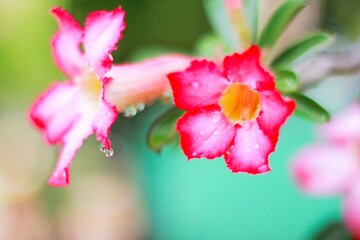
[(221, 23), (306, 45), (163, 130), (308, 108), (251, 15), (287, 81), (279, 21)]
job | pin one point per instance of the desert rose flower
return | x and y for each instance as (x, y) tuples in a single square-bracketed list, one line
[(232, 110), (89, 102), (333, 168)]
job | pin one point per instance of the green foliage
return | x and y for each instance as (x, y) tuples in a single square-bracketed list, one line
[(251, 14), (287, 81), (306, 45), (279, 21), (309, 109), (163, 130), (221, 23)]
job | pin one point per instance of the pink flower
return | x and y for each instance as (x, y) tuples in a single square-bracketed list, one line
[(333, 168), (235, 111), (96, 91)]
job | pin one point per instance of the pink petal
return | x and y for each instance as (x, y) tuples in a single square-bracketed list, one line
[(200, 85), (102, 32), (245, 68), (102, 122), (66, 43), (71, 142), (144, 81), (45, 112), (351, 211), (250, 151), (345, 127), (205, 133), (325, 170), (275, 110)]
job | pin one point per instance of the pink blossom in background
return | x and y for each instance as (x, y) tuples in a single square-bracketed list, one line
[(233, 110), (333, 168), (89, 102)]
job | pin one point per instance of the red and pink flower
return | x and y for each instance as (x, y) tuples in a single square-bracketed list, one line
[(89, 102), (233, 110), (333, 168)]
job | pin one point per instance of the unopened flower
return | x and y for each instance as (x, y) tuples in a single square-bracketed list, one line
[(96, 91), (233, 111), (333, 168)]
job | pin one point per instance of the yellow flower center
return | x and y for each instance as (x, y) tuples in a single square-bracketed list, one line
[(240, 103), (91, 85)]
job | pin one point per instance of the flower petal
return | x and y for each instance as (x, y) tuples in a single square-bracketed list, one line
[(103, 30), (324, 170), (102, 122), (45, 112), (200, 85), (66, 43), (71, 142), (144, 81), (250, 151), (275, 110), (345, 127), (351, 210), (245, 68), (205, 133)]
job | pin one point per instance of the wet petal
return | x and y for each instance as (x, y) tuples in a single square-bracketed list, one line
[(351, 210), (60, 98), (205, 133), (250, 151), (144, 81), (66, 43), (324, 170), (345, 127), (103, 30), (245, 68), (275, 110), (102, 122), (71, 142), (202, 84)]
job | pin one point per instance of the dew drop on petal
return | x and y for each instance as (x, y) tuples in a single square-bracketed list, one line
[(216, 133), (202, 133), (102, 148), (140, 107), (246, 126), (130, 111), (109, 152), (256, 146), (215, 120), (195, 84), (194, 154)]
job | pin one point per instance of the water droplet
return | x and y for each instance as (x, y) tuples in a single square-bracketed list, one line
[(215, 120), (256, 146), (130, 111), (194, 154), (202, 133), (108, 152), (102, 148), (195, 84), (246, 126), (140, 107), (167, 97), (216, 132)]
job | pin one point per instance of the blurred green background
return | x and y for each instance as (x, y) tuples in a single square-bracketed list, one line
[(138, 194)]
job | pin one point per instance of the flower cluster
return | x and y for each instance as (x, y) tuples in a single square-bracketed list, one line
[(333, 168)]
